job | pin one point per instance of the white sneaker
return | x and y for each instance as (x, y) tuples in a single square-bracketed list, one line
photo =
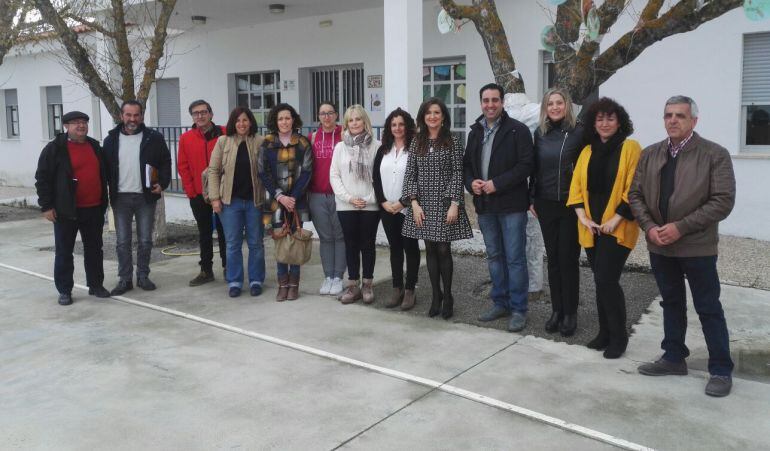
[(336, 286), (326, 286)]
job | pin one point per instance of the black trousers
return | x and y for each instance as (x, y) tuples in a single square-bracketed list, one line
[(607, 258), (559, 226), (400, 245), (360, 231), (90, 223), (203, 214)]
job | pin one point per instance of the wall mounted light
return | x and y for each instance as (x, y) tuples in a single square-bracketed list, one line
[(277, 8), (199, 20)]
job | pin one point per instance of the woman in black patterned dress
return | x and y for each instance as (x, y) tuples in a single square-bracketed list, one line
[(433, 187)]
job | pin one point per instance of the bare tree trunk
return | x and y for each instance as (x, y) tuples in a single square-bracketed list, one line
[(160, 234)]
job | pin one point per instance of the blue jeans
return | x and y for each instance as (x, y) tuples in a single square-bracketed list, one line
[(241, 214), (282, 268), (125, 207), (505, 237), (703, 279)]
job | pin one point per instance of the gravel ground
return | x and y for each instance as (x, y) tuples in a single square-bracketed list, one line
[(8, 213), (471, 292)]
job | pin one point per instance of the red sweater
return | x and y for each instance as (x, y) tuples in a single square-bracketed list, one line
[(85, 169), (323, 149), (194, 155)]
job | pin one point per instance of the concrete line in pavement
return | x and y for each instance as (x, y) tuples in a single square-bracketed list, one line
[(436, 385)]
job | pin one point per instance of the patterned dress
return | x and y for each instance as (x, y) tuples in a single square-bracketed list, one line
[(435, 179)]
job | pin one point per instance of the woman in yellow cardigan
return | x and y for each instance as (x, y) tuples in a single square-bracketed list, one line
[(606, 228)]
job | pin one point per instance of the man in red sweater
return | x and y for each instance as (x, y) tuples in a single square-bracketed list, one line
[(195, 147), (71, 182)]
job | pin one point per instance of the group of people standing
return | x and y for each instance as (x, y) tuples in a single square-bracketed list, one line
[(588, 184)]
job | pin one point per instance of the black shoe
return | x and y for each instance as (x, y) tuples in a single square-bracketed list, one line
[(553, 323), (201, 278), (145, 284), (435, 305), (99, 292), (255, 290), (65, 299), (600, 342), (447, 309), (568, 325), (662, 367), (234, 292), (122, 287), (615, 349), (719, 386)]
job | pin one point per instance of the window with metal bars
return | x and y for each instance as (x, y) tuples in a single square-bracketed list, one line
[(446, 80), (11, 113), (55, 110), (343, 85), (258, 92)]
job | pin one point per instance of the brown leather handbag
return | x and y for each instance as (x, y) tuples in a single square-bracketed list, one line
[(293, 247)]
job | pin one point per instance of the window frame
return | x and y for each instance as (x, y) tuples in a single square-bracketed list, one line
[(261, 113), (54, 113), (13, 131), (453, 83)]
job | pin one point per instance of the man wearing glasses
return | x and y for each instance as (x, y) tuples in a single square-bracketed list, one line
[(71, 182), (195, 147)]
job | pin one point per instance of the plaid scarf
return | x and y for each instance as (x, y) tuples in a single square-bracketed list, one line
[(358, 149)]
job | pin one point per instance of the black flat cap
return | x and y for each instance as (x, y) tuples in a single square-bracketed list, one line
[(73, 115)]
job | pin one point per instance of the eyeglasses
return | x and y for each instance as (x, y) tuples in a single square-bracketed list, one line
[(327, 113), (200, 113)]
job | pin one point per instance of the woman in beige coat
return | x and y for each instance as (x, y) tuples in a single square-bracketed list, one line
[(237, 195)]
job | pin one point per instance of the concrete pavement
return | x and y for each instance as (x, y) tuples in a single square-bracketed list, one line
[(110, 373)]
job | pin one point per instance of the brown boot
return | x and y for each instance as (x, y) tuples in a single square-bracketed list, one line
[(367, 292), (352, 293), (409, 300), (283, 288), (395, 299), (293, 292)]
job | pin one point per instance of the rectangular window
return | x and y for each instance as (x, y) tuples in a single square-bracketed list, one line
[(12, 113), (343, 85), (258, 92), (54, 110), (755, 92), (446, 80), (548, 71)]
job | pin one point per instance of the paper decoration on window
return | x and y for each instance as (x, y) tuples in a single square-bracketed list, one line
[(460, 92), (757, 10), (548, 38), (445, 22), (592, 25), (460, 71)]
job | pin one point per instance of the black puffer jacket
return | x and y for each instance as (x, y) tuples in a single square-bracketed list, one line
[(55, 186), (509, 166), (152, 150), (555, 155)]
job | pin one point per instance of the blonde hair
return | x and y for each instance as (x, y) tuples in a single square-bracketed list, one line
[(569, 115), (357, 109)]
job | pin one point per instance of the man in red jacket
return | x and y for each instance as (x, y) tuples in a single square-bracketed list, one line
[(195, 147)]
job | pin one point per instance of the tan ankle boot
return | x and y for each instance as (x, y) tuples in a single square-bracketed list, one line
[(395, 299), (351, 294), (293, 292), (367, 292), (409, 300), (283, 288)]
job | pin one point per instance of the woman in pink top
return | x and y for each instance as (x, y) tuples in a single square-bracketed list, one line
[(322, 206)]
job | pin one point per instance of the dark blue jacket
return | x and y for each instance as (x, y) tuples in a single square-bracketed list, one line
[(152, 150)]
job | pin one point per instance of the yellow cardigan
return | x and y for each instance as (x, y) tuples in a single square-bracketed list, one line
[(627, 231)]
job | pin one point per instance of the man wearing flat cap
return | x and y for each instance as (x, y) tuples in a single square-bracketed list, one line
[(71, 182)]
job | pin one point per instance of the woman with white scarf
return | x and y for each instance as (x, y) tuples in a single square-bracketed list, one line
[(351, 179)]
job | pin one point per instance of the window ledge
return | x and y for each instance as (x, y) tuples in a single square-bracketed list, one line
[(752, 156), (11, 139)]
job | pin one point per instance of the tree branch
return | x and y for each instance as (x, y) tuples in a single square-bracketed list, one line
[(156, 50), (123, 51), (90, 24), (651, 11)]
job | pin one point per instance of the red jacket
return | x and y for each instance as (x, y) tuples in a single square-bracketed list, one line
[(194, 155)]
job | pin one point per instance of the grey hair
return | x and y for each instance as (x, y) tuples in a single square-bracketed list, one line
[(678, 100)]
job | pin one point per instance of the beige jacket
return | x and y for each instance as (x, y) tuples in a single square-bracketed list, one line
[(222, 168), (704, 194)]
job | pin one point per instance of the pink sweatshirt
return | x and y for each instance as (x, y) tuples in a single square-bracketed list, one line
[(323, 149)]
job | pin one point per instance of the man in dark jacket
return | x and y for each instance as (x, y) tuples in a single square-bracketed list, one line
[(71, 183), (195, 147), (498, 160), (138, 170), (683, 187)]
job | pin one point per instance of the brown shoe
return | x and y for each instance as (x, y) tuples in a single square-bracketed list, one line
[(367, 292), (293, 292), (283, 288), (395, 299), (351, 294), (201, 278), (409, 300)]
